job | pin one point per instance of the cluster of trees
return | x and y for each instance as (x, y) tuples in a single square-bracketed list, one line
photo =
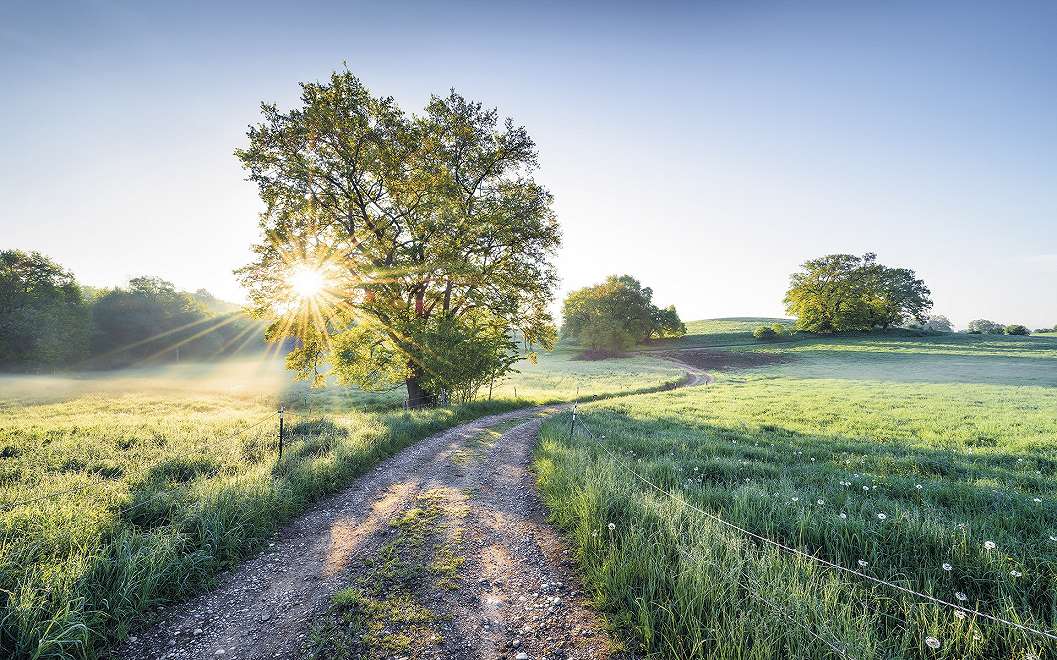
[(844, 292), (437, 242), (985, 327), (617, 314), (48, 320)]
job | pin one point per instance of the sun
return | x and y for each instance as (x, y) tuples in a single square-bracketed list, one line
[(307, 282)]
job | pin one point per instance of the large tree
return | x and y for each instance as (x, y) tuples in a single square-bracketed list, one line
[(842, 292), (617, 314), (425, 232)]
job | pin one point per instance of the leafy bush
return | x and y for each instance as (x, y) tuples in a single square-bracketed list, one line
[(939, 323), (1017, 329), (765, 333), (985, 327)]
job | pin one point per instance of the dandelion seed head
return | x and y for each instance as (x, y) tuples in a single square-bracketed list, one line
[(989, 545), (844, 516), (882, 516), (612, 526), (960, 595), (932, 642)]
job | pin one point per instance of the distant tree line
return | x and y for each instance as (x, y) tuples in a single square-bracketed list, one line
[(616, 315), (50, 321)]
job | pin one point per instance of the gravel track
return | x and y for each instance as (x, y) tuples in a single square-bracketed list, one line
[(516, 594)]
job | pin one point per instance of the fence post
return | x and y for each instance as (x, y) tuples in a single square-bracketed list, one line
[(572, 422), (281, 410)]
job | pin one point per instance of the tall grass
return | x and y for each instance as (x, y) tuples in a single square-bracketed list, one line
[(170, 488), (948, 465), (80, 569)]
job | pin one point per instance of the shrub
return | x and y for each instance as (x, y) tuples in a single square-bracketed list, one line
[(764, 333), (939, 323), (984, 327), (1017, 329)]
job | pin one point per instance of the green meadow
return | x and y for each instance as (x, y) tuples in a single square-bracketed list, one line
[(123, 491), (725, 332), (927, 462)]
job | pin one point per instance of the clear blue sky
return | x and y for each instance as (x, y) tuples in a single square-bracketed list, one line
[(707, 149)]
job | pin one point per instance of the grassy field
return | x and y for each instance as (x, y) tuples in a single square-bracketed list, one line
[(734, 331), (560, 376), (172, 477), (912, 456)]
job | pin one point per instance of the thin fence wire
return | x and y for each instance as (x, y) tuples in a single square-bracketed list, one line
[(800, 553)]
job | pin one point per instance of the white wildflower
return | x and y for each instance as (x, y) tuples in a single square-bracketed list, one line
[(947, 567), (932, 642), (989, 545), (612, 526), (960, 595), (882, 516), (862, 564)]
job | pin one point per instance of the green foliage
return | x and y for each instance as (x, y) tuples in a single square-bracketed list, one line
[(617, 314), (938, 323), (842, 292), (44, 318), (951, 464), (985, 327), (48, 321), (417, 222), (1017, 329), (765, 333)]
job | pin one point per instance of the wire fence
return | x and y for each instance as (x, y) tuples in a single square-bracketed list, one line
[(577, 422)]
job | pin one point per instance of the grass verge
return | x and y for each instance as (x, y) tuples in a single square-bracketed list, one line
[(165, 512), (915, 480)]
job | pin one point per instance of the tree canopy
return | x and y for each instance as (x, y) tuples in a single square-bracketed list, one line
[(617, 314), (48, 320), (843, 292), (985, 327), (428, 230), (43, 313)]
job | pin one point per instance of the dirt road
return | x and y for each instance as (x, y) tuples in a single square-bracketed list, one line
[(442, 551)]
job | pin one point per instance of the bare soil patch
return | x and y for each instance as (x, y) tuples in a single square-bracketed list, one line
[(724, 360)]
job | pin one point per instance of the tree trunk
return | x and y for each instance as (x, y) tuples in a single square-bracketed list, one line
[(417, 396)]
